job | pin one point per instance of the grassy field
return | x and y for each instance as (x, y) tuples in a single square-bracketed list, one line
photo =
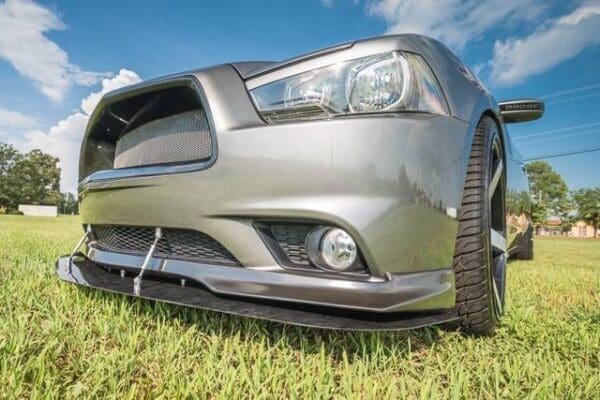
[(61, 341)]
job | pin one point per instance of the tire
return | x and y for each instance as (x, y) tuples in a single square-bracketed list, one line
[(525, 249), (480, 255)]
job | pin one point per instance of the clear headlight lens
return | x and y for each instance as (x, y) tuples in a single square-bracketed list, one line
[(392, 82), (378, 84)]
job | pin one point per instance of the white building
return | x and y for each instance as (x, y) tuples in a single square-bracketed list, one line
[(38, 211), (582, 230)]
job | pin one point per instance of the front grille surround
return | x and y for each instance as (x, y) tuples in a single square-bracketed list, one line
[(182, 244), (123, 111)]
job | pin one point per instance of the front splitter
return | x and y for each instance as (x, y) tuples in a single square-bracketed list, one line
[(81, 271)]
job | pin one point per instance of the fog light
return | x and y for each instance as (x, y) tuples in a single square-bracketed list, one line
[(338, 249)]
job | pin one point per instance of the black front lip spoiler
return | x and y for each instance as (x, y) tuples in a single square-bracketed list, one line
[(82, 271)]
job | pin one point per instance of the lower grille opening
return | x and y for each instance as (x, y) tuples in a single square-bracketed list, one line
[(183, 244)]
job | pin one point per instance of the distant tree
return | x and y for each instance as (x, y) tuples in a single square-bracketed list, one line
[(9, 156), (550, 190), (588, 206), (567, 220), (539, 215), (68, 204), (518, 203), (31, 178)]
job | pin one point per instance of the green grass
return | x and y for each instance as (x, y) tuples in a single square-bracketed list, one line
[(61, 341)]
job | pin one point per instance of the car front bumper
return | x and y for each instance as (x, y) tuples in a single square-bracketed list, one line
[(287, 298), (393, 182)]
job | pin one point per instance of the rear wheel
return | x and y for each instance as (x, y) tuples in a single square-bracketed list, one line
[(480, 253), (525, 249)]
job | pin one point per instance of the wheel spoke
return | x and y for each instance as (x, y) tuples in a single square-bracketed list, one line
[(499, 281), (498, 241), (495, 179), (497, 299)]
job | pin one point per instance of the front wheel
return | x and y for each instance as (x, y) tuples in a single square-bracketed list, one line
[(480, 252)]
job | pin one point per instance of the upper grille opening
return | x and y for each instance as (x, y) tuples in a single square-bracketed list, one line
[(151, 126), (177, 138)]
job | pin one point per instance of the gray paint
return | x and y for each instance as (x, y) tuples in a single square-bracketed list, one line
[(82, 271), (312, 171), (431, 290), (394, 181)]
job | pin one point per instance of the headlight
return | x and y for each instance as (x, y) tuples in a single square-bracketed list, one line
[(392, 82)]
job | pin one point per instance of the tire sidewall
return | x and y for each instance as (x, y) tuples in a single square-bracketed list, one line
[(492, 134)]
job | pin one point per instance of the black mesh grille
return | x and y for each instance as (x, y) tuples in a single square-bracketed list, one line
[(175, 243), (291, 238), (177, 138)]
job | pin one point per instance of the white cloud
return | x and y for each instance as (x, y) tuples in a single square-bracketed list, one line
[(23, 44), (516, 59), (16, 120), (453, 22), (63, 140)]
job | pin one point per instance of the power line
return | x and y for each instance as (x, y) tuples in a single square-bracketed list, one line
[(568, 128), (592, 86), (528, 141), (585, 96), (578, 172), (573, 90), (563, 154)]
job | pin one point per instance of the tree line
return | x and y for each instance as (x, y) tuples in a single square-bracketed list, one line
[(553, 199), (31, 178)]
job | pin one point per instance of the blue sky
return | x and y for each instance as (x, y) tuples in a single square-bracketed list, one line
[(58, 57)]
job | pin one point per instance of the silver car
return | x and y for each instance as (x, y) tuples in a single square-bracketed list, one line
[(369, 185)]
